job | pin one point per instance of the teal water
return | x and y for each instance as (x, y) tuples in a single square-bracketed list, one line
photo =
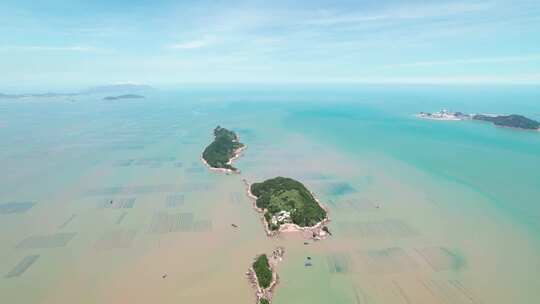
[(501, 164), (459, 216)]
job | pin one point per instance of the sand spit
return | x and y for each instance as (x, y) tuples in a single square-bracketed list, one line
[(315, 232)]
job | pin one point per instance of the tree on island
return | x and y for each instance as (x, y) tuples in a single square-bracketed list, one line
[(222, 149), (263, 271)]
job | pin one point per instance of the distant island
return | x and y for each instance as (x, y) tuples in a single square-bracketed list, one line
[(512, 121), (125, 96), (37, 95), (225, 148), (127, 89), (263, 276), (287, 205)]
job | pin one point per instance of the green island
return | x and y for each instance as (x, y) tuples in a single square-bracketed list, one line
[(285, 200), (263, 271), (263, 276), (222, 150), (513, 121)]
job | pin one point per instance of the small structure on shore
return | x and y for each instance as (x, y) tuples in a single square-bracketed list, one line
[(286, 205)]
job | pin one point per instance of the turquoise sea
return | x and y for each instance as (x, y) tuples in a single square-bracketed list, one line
[(98, 199)]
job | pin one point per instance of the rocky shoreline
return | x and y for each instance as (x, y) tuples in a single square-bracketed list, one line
[(316, 232), (266, 293), (237, 153), (514, 121)]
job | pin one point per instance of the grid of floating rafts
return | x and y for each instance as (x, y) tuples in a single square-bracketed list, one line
[(164, 222)]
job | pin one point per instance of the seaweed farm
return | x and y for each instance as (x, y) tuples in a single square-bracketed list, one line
[(111, 203)]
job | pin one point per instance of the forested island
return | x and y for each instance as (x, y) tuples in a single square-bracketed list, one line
[(513, 121), (287, 204), (125, 96), (225, 148), (263, 276), (263, 271)]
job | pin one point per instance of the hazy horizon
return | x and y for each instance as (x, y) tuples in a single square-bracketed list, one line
[(135, 134)]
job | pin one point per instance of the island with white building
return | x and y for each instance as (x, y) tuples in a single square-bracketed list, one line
[(288, 206), (444, 115), (511, 121)]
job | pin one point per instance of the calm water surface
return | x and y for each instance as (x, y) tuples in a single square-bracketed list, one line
[(101, 199)]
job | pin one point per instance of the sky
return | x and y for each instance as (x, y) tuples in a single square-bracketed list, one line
[(62, 43)]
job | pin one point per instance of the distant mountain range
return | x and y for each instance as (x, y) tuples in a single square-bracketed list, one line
[(41, 95), (125, 89)]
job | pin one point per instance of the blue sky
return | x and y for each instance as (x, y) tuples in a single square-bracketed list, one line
[(81, 43)]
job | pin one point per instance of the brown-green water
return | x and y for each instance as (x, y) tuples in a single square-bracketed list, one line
[(419, 214)]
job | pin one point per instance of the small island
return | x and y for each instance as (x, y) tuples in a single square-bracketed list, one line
[(263, 276), (512, 121), (225, 148), (287, 205), (125, 96), (38, 95)]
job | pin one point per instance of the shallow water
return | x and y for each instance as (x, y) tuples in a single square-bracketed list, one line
[(112, 195)]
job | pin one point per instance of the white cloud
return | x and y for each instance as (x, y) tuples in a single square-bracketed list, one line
[(194, 44)]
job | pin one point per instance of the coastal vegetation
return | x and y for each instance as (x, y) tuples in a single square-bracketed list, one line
[(262, 275), (263, 271), (285, 200), (514, 121), (224, 147)]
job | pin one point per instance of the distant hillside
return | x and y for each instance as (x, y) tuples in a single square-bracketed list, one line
[(116, 91), (40, 95), (514, 121)]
